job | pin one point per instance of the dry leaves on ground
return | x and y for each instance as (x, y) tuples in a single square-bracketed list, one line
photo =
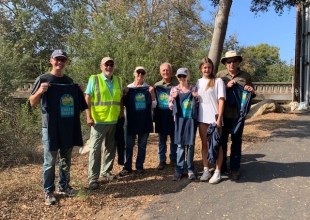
[(21, 195)]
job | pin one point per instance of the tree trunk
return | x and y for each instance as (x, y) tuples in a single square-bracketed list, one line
[(219, 33)]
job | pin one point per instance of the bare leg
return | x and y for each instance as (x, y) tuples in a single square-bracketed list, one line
[(203, 127)]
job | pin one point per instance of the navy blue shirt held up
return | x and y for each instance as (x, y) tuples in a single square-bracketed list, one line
[(63, 104), (138, 103), (185, 111), (163, 118)]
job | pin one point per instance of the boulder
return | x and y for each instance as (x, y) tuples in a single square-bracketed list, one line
[(264, 107)]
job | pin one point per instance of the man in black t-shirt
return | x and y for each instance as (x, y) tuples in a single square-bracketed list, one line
[(58, 61)]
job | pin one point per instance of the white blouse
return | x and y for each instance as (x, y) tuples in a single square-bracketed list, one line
[(208, 99)]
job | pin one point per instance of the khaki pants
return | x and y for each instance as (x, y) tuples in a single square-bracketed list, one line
[(101, 159)]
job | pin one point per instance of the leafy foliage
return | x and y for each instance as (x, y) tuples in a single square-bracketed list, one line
[(19, 133), (263, 62)]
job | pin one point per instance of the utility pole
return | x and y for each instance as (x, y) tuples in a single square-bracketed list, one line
[(296, 84)]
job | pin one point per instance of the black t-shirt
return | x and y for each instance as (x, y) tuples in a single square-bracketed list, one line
[(50, 78), (138, 102), (163, 118), (62, 105)]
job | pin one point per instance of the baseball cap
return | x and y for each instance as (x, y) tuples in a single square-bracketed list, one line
[(59, 53), (139, 68), (106, 59), (182, 71)]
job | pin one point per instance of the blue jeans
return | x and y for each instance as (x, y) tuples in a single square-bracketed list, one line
[(162, 147), (130, 142), (64, 165), (185, 151), (236, 145)]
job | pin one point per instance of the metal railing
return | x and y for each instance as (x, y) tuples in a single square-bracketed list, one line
[(278, 91)]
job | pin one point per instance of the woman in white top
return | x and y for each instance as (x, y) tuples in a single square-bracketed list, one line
[(211, 92)]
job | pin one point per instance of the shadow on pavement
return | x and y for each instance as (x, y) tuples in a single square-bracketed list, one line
[(261, 171)]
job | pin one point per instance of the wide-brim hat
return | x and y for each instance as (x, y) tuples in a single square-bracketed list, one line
[(231, 54)]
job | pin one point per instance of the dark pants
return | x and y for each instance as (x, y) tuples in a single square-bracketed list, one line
[(120, 141), (236, 145), (162, 147)]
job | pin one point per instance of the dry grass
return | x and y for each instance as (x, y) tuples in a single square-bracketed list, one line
[(21, 195)]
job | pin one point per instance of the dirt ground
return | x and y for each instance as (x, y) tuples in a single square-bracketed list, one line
[(21, 195)]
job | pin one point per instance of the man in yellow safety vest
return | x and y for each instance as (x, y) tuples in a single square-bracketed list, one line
[(103, 96)]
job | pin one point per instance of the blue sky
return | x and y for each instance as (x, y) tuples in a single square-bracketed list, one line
[(268, 27)]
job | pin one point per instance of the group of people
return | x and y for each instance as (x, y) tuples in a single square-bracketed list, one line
[(118, 115)]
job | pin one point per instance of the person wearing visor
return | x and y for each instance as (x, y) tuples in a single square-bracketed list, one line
[(103, 96), (233, 76), (139, 100)]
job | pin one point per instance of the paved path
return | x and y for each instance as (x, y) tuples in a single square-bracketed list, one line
[(275, 184)]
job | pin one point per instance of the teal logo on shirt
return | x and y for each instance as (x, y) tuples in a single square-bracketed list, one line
[(187, 108), (66, 106), (163, 100), (140, 102)]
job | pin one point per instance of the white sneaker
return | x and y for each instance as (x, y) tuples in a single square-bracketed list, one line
[(216, 178), (205, 176)]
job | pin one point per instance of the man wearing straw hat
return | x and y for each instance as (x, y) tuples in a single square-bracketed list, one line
[(233, 76)]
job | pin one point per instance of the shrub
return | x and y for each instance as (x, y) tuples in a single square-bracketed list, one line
[(20, 131)]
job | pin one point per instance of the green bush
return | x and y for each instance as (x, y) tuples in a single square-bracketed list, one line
[(20, 135)]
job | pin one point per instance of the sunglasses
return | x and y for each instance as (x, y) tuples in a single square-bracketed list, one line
[(109, 64), (232, 61), (60, 59), (181, 76), (142, 72)]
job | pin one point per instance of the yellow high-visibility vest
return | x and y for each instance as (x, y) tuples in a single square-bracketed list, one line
[(105, 107)]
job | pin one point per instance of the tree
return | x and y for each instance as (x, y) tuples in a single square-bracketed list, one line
[(220, 24), (263, 63), (138, 33), (257, 59), (219, 33)]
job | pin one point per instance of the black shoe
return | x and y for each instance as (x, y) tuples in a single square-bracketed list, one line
[(93, 185), (140, 172), (124, 172), (235, 175), (176, 177), (161, 165), (69, 191)]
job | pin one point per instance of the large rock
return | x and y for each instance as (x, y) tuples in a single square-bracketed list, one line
[(264, 107)]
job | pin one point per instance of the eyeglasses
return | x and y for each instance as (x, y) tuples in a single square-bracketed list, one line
[(109, 64), (232, 61), (60, 59), (142, 72), (181, 76)]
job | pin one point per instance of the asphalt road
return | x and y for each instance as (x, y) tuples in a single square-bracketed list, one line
[(275, 184)]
